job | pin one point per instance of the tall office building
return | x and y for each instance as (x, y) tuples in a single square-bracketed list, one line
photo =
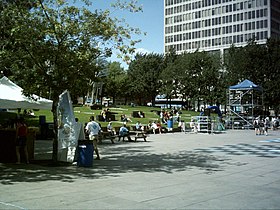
[(214, 25)]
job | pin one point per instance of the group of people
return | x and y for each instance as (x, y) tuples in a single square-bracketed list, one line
[(93, 129), (156, 126), (105, 113), (261, 125), (173, 115)]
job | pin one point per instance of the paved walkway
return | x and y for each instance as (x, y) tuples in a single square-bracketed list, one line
[(234, 170)]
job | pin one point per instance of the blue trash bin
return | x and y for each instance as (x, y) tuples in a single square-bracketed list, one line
[(169, 125), (85, 153)]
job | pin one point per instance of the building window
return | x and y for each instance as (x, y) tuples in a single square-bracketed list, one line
[(253, 25), (249, 15), (265, 23), (265, 35), (265, 12)]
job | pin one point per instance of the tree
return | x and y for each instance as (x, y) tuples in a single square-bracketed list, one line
[(56, 44), (200, 73), (169, 80), (144, 72), (272, 69), (114, 81)]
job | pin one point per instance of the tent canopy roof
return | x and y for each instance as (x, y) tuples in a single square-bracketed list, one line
[(11, 97), (245, 85)]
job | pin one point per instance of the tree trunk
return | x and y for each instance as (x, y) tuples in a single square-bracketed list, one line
[(55, 129)]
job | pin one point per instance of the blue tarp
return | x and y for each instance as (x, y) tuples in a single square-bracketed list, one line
[(245, 85), (217, 110)]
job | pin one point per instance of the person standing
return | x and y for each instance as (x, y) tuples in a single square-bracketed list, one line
[(266, 125), (21, 139), (256, 125), (93, 129), (261, 124)]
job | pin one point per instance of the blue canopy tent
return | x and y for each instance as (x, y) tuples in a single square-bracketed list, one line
[(244, 99), (245, 85)]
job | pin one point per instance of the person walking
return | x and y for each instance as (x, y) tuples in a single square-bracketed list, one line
[(93, 129)]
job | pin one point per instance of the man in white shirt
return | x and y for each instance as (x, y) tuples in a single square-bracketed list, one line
[(93, 130)]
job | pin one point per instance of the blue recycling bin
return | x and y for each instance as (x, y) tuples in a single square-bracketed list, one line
[(85, 153), (169, 125)]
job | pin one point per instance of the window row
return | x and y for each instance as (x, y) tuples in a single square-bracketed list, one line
[(206, 3), (218, 41), (213, 32), (225, 19), (225, 29), (219, 9)]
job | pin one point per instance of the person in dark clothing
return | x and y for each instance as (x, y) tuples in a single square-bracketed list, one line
[(21, 139)]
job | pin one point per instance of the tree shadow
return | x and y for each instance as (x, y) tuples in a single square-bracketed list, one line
[(118, 159)]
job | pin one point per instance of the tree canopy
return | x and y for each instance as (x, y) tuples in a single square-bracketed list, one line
[(52, 44)]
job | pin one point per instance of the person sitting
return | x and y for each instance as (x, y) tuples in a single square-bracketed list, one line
[(125, 119), (139, 126), (124, 132), (110, 129), (104, 115), (111, 132), (156, 126), (140, 114)]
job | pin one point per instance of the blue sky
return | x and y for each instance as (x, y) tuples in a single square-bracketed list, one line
[(149, 21)]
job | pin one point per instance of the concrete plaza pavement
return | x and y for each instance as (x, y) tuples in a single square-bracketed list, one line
[(233, 170)]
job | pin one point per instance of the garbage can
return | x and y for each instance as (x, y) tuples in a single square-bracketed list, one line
[(85, 153), (169, 125)]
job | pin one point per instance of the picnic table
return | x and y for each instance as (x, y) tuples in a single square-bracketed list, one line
[(140, 134)]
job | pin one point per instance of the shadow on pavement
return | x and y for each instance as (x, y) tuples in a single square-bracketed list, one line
[(115, 163)]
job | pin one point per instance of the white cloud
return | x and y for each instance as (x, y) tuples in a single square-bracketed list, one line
[(142, 51)]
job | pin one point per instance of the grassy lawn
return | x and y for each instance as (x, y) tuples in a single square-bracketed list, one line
[(84, 112)]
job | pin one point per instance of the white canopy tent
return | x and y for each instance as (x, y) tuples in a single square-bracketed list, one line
[(11, 97)]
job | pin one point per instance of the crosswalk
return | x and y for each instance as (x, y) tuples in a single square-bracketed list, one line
[(267, 150)]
